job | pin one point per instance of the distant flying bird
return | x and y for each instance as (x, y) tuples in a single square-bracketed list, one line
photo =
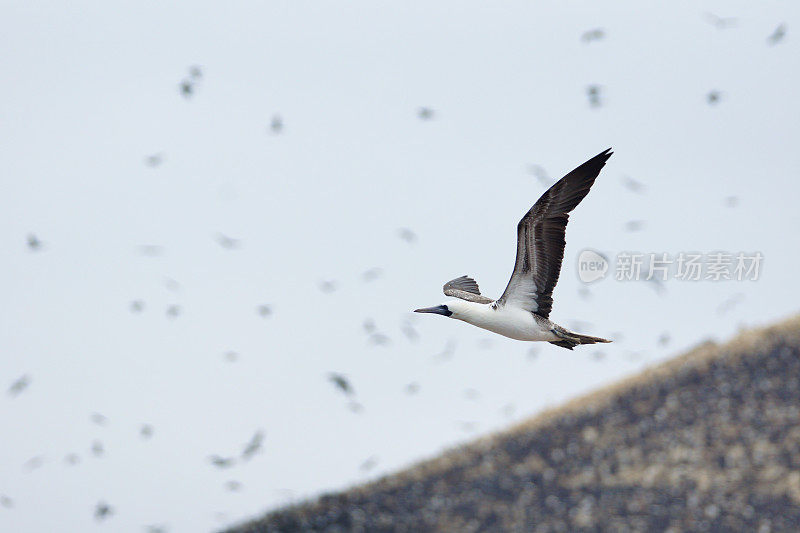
[(146, 431), (522, 311), (186, 88), (713, 97), (195, 72), (721, 23), (731, 201), (632, 185), (541, 175), (409, 331), (777, 35), (328, 286), (372, 274), (154, 160), (264, 310), (593, 93), (411, 388), (226, 242), (97, 448), (233, 485), (369, 464), (72, 459), (98, 419), (231, 356), (222, 462), (137, 306), (102, 511), (407, 235), (634, 225), (664, 338), (341, 383), (253, 446), (425, 113), (595, 34), (151, 250), (379, 339), (276, 124), (174, 311), (19, 385), (34, 462), (6, 501), (34, 244)]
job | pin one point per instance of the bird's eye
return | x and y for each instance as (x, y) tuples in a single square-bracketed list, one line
[(494, 306)]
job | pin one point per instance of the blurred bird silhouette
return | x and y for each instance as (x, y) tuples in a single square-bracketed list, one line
[(6, 501), (151, 250), (713, 97), (777, 36), (34, 463), (98, 419), (72, 459), (407, 235), (593, 94), (411, 388), (228, 243), (97, 448), (409, 331), (264, 310), (721, 23), (102, 511), (328, 286), (186, 88), (253, 446), (371, 274), (231, 356), (154, 160), (664, 338), (222, 462), (146, 431), (369, 464), (447, 352), (731, 201), (595, 34), (425, 113), (19, 385), (276, 124), (634, 225), (173, 311), (34, 244), (233, 486), (369, 326), (633, 185), (730, 303), (541, 174), (341, 382), (137, 306), (379, 339), (195, 72)]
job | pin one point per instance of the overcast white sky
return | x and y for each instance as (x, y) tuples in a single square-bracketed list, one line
[(90, 89)]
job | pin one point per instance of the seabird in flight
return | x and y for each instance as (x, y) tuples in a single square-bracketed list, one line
[(521, 312)]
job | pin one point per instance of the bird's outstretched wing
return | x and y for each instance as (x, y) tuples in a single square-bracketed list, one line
[(465, 288), (540, 239)]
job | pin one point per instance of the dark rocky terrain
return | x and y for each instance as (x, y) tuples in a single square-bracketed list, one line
[(709, 441)]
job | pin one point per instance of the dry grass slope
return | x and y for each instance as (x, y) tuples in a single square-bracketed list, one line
[(709, 441)]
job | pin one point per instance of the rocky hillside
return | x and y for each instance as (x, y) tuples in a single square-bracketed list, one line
[(709, 441)]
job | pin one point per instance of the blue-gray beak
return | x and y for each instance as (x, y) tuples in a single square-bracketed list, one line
[(439, 310)]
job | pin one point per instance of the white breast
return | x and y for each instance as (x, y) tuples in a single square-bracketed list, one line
[(506, 320)]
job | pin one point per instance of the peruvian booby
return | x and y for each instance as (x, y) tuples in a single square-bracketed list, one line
[(522, 311)]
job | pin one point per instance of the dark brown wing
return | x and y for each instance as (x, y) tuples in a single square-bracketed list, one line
[(540, 239)]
